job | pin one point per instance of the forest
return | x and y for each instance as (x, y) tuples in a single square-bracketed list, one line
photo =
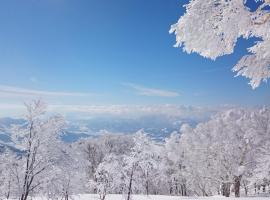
[(227, 155)]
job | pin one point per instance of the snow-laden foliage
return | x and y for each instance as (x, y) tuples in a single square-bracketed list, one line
[(229, 154), (211, 28), (225, 154), (228, 147), (38, 150)]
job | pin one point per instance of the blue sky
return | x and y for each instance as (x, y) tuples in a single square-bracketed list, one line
[(104, 52)]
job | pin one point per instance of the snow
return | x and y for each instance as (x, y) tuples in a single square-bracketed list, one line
[(159, 197)]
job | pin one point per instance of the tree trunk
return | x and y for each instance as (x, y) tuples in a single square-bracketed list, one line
[(264, 188), (24, 196), (183, 190), (66, 195), (130, 182), (237, 184), (171, 189), (246, 190), (226, 189), (147, 188), (9, 186), (245, 184), (147, 184)]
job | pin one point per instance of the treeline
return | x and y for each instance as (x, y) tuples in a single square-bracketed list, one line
[(228, 154)]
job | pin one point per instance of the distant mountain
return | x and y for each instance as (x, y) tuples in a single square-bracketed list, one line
[(159, 127), (8, 122)]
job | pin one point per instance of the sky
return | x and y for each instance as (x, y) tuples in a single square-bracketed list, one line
[(103, 52)]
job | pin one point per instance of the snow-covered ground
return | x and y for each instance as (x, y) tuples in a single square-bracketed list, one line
[(160, 197)]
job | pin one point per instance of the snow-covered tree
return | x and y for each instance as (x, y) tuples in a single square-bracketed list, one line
[(109, 177), (8, 174), (211, 28), (38, 141), (196, 160), (218, 156), (226, 148), (96, 149), (173, 166), (261, 175), (145, 158), (123, 164), (66, 177), (100, 154)]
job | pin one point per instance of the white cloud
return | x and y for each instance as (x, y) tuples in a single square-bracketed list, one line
[(174, 112), (151, 92), (131, 111), (6, 90)]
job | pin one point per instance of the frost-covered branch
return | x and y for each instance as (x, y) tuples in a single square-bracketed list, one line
[(211, 28)]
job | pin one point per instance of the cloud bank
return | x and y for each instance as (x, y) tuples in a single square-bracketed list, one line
[(121, 111)]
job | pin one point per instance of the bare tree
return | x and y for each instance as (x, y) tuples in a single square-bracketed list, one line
[(37, 140)]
